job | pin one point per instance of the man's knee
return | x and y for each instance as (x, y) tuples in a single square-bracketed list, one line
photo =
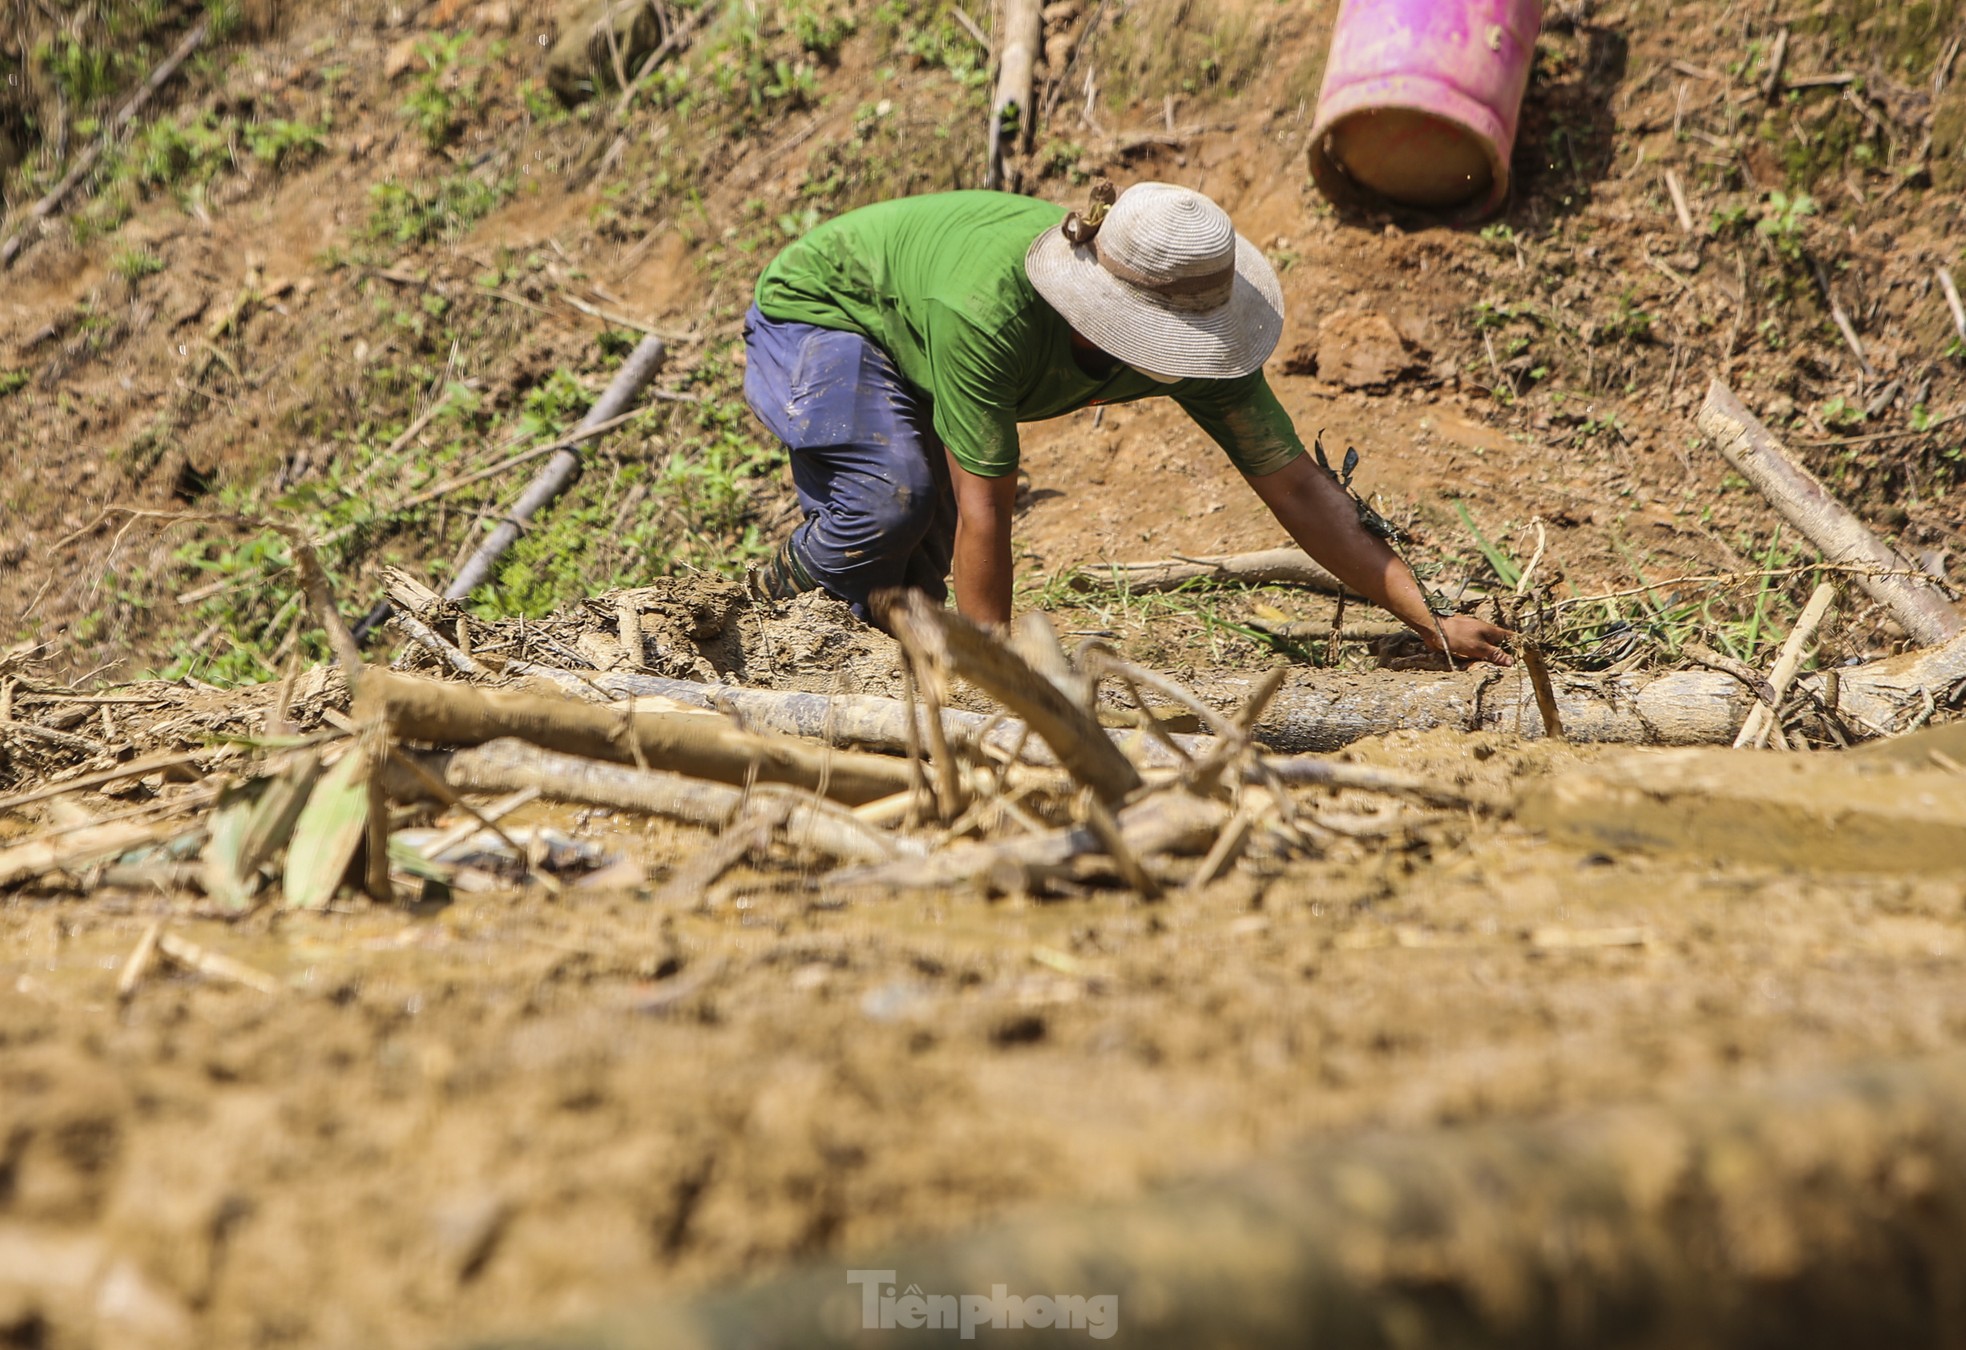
[(890, 508)]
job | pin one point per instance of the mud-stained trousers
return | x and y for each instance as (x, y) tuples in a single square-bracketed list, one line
[(866, 462)]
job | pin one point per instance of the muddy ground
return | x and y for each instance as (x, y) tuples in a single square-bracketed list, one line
[(514, 1110)]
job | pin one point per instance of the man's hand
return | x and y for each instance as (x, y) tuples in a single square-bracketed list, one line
[(1323, 519), (1471, 639)]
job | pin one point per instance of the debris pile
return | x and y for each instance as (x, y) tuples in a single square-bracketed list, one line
[(328, 787)]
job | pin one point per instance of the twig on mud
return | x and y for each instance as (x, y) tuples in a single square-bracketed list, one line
[(1073, 734), (86, 744), (433, 642), (1226, 849), (1539, 681), (750, 833), (1771, 84), (1762, 719), (1701, 654), (1322, 772), (138, 965), (136, 768), (215, 965), (1679, 205), (1841, 317), (451, 798), (1951, 289), (1100, 821)]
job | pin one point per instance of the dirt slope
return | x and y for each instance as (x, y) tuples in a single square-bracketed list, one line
[(302, 309)]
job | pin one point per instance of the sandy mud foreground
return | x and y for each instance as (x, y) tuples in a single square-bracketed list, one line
[(512, 1113)]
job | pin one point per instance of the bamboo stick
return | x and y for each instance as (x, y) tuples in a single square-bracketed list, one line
[(1807, 505)]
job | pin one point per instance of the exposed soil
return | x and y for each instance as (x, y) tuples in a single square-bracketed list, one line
[(512, 1111)]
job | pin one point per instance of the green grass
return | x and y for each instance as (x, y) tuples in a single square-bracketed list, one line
[(411, 214), (134, 264), (677, 487)]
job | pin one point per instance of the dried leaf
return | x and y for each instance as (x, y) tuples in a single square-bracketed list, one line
[(253, 820), (228, 882), (328, 833)]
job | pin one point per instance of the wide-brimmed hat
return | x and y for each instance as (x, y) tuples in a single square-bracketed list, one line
[(1165, 284)]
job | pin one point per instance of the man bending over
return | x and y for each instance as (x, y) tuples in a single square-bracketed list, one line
[(895, 349)]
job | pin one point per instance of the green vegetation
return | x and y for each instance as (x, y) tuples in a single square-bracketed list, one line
[(134, 264), (416, 213), (674, 487), (13, 381), (445, 92), (281, 143)]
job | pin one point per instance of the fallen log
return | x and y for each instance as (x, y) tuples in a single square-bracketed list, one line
[(551, 481), (1291, 565), (1166, 823), (1801, 499), (1318, 711), (509, 765), (1071, 731), (1824, 1210), (445, 714), (865, 721), (1011, 113)]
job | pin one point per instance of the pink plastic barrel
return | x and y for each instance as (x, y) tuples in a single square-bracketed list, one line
[(1420, 101)]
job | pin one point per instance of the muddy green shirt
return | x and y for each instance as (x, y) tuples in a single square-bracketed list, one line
[(938, 282)]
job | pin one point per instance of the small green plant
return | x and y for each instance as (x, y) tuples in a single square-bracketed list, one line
[(1840, 412), (444, 92), (12, 382), (418, 214), (83, 73), (174, 154), (820, 32), (1507, 570), (134, 264), (1781, 222), (279, 142)]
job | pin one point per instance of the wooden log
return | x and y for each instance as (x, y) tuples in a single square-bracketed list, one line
[(1290, 565), (1011, 110), (1166, 823), (1802, 500), (1073, 734), (551, 481), (446, 714), (1826, 1209), (1317, 711), (867, 721), (509, 765)]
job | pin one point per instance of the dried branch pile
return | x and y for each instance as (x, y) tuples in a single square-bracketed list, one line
[(302, 803)]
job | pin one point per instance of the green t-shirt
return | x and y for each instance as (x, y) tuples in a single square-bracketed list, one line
[(938, 282)]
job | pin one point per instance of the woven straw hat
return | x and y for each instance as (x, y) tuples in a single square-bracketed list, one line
[(1165, 284)]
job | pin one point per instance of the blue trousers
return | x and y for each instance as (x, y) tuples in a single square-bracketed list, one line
[(866, 462)]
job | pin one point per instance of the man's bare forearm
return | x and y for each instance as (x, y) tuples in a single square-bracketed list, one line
[(983, 573), (1322, 519), (982, 551)]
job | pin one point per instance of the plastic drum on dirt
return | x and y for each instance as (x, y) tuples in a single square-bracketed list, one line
[(1419, 104)]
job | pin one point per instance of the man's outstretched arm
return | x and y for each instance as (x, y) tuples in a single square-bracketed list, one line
[(982, 561), (1323, 520)]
